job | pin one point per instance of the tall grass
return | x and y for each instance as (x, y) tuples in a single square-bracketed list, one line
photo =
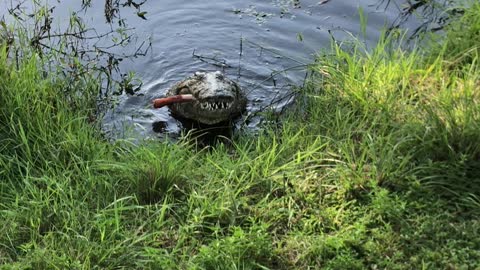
[(375, 167)]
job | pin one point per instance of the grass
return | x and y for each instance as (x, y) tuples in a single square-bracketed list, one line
[(375, 167)]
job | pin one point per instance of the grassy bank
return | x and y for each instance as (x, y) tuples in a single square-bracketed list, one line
[(377, 167)]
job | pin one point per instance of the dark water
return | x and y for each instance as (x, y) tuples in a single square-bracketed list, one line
[(255, 39)]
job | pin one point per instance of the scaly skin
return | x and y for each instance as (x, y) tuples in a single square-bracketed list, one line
[(206, 97)]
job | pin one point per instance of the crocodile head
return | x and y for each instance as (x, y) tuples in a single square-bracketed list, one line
[(206, 97)]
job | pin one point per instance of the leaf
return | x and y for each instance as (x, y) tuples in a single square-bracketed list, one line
[(363, 21), (299, 37), (141, 14)]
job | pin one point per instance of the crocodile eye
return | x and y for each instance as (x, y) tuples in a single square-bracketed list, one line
[(219, 75), (199, 75), (184, 91)]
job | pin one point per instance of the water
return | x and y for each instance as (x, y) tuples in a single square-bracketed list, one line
[(253, 38)]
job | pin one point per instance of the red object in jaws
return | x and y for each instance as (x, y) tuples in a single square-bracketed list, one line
[(160, 102)]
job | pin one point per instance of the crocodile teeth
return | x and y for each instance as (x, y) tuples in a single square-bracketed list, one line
[(215, 105)]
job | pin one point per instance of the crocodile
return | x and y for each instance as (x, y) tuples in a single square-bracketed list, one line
[(206, 97)]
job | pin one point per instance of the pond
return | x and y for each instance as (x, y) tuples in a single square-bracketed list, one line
[(265, 45)]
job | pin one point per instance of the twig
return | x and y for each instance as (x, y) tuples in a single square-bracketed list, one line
[(240, 58), (275, 73), (216, 62), (275, 52)]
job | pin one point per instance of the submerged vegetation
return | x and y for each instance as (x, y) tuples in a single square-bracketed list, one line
[(376, 167)]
